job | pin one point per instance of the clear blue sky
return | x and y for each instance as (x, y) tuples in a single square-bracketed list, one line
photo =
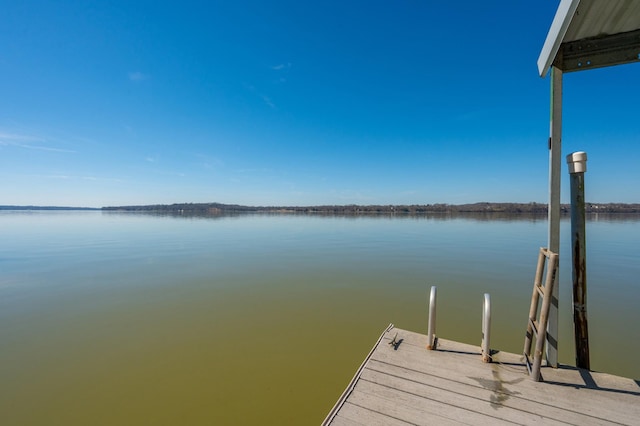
[(298, 103)]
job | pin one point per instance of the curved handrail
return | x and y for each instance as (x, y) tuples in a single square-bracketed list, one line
[(431, 335), (486, 328)]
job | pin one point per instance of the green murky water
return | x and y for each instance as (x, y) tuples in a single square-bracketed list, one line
[(133, 319)]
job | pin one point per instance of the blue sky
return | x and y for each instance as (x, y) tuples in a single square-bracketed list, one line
[(298, 103)]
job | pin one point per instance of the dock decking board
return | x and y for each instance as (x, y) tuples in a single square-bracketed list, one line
[(451, 385)]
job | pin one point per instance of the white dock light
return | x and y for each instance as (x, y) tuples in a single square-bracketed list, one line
[(577, 162)]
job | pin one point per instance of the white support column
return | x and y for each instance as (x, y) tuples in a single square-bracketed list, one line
[(555, 154)]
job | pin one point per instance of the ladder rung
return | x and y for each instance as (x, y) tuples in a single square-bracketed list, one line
[(540, 290), (534, 326), (528, 362)]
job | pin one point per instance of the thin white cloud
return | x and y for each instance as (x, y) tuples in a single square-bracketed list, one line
[(72, 177), (63, 177), (169, 173), (179, 174), (15, 137), (282, 70), (267, 100), (45, 148), (209, 162), (100, 179), (28, 142), (280, 67), (137, 76), (255, 170)]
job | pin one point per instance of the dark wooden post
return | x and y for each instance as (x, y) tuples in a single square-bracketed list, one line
[(577, 167)]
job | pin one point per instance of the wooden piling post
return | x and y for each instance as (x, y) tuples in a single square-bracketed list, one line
[(577, 167)]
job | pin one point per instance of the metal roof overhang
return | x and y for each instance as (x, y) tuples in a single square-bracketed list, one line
[(587, 34)]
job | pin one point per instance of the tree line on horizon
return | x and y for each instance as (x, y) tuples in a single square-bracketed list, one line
[(414, 209)]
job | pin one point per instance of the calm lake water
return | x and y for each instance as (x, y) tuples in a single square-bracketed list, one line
[(111, 318)]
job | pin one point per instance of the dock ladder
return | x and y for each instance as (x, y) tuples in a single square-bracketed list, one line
[(538, 327)]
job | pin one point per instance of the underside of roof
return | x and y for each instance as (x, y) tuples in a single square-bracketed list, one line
[(588, 34)]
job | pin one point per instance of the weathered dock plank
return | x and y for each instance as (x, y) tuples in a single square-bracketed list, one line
[(408, 384), (357, 415)]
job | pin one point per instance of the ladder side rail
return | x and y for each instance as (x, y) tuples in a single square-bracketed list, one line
[(533, 310), (552, 267)]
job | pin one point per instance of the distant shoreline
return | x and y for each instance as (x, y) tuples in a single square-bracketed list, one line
[(47, 208), (414, 209), (351, 209)]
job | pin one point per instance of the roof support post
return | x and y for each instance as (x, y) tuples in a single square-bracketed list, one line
[(555, 152)]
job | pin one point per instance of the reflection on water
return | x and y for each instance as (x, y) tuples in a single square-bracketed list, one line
[(130, 318), (479, 216)]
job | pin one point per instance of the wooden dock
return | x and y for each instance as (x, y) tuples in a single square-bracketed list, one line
[(406, 384)]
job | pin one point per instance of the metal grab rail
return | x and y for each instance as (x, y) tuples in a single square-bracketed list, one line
[(431, 334), (486, 328), (432, 340)]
